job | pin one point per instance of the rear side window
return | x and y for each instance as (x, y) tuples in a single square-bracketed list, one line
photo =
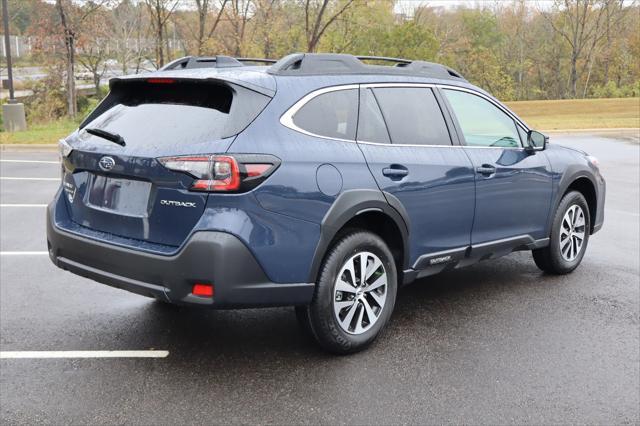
[(371, 127), (332, 115), (176, 112), (413, 116)]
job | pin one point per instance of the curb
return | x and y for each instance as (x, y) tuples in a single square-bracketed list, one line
[(634, 130), (29, 147)]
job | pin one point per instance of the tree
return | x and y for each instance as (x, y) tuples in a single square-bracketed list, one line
[(71, 20), (127, 22), (362, 30), (267, 16), (238, 15), (92, 58), (160, 11), (519, 35), (318, 16), (204, 9), (581, 24)]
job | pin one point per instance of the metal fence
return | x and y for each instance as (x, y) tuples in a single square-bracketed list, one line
[(20, 46), (24, 46)]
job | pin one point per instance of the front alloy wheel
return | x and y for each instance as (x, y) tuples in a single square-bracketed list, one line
[(572, 233), (569, 236)]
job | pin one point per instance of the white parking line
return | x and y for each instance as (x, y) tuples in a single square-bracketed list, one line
[(621, 212), (30, 161), (82, 354), (23, 253), (23, 205), (27, 178)]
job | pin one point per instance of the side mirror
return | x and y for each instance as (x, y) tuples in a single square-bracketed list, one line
[(536, 141)]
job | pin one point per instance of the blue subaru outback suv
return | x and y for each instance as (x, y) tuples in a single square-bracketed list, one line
[(319, 181)]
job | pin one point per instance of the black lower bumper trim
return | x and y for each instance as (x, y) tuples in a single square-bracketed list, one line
[(211, 257)]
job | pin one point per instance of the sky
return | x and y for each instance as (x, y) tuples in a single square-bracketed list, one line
[(407, 6)]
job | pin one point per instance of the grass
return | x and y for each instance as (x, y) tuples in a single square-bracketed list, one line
[(40, 133), (579, 113), (542, 115)]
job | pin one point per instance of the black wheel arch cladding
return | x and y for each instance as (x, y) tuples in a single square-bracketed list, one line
[(347, 206)]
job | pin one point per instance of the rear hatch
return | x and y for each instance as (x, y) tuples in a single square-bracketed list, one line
[(113, 182)]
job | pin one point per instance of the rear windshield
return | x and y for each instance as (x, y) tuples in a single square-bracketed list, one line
[(172, 112)]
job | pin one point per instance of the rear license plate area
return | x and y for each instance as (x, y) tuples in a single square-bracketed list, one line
[(122, 196)]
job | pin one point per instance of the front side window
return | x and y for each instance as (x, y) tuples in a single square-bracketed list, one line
[(332, 115), (413, 116), (523, 135), (482, 123)]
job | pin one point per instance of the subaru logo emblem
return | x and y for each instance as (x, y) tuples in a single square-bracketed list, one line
[(106, 163)]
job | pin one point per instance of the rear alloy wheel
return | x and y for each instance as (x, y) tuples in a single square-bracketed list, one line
[(355, 293), (569, 236), (360, 293)]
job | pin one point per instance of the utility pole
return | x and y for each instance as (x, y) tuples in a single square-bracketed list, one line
[(13, 112)]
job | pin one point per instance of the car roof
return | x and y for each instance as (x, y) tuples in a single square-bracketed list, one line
[(307, 71)]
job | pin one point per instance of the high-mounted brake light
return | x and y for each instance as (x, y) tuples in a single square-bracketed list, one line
[(223, 173), (161, 80)]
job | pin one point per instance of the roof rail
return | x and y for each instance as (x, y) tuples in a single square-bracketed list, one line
[(191, 62), (398, 61), (257, 60), (299, 64)]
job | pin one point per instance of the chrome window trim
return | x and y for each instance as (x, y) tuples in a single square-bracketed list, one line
[(287, 118), (488, 98), (412, 145)]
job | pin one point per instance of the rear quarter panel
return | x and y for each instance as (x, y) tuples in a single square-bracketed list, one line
[(291, 197)]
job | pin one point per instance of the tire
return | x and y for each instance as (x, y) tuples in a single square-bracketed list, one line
[(564, 252), (345, 318)]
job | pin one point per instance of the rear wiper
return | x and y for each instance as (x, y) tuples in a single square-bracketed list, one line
[(113, 137)]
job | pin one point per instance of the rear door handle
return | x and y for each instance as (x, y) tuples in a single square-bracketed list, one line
[(395, 171), (486, 170)]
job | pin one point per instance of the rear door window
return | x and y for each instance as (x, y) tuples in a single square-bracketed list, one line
[(371, 126), (175, 113), (332, 115), (413, 116)]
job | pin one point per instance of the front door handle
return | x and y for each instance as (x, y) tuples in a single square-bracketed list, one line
[(486, 170), (395, 171)]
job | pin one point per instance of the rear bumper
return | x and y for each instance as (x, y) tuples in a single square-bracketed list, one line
[(212, 257)]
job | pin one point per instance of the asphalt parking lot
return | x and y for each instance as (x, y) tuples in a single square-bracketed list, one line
[(495, 343)]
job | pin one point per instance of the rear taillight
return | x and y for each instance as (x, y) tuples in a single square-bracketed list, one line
[(223, 173)]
